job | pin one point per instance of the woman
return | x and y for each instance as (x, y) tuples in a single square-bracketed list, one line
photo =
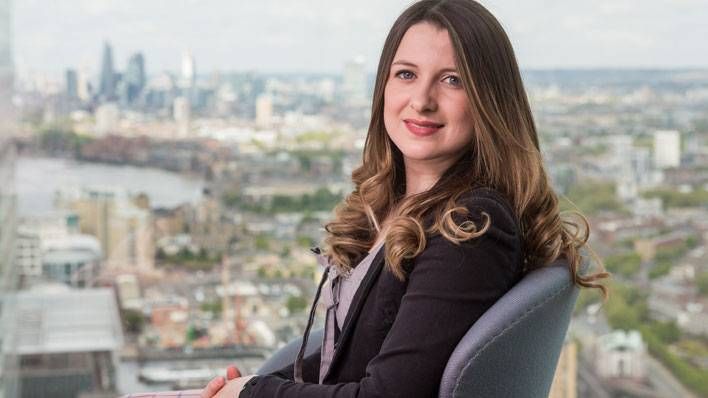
[(451, 207)]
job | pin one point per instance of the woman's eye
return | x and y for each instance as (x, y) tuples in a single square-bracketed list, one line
[(405, 74), (454, 81)]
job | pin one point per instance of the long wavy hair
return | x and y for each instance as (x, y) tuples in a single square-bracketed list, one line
[(503, 154)]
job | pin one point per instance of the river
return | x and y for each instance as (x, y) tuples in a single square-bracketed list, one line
[(38, 179)]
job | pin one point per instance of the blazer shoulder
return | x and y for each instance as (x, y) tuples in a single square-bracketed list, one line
[(494, 204)]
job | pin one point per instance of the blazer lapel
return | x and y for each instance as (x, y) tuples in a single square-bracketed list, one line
[(357, 303)]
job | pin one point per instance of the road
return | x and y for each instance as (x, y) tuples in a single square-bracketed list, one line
[(663, 381)]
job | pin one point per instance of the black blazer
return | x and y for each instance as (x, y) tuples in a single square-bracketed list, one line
[(397, 336)]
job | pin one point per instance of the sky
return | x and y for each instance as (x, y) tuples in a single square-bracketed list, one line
[(322, 35)]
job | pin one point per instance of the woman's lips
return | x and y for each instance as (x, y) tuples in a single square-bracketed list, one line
[(422, 128)]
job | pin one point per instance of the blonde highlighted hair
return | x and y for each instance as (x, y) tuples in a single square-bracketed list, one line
[(504, 155)]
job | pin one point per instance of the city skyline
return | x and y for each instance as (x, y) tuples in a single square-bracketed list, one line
[(197, 198), (322, 37)]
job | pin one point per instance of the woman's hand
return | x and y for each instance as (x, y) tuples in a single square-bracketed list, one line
[(217, 389), (218, 382), (232, 372)]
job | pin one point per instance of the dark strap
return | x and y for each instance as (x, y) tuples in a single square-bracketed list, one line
[(297, 371)]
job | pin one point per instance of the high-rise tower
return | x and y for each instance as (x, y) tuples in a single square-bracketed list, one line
[(107, 83), (189, 76), (72, 84), (189, 69), (134, 78)]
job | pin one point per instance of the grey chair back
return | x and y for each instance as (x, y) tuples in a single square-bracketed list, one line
[(513, 348), (511, 351), (286, 355)]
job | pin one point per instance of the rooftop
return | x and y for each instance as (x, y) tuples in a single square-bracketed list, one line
[(55, 318)]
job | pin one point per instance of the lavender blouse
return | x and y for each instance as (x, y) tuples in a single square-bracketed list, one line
[(337, 295)]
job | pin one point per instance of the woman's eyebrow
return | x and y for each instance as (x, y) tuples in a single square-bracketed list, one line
[(411, 64), (403, 62)]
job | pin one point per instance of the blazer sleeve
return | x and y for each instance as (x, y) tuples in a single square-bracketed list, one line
[(449, 287)]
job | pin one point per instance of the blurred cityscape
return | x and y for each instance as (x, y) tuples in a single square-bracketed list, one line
[(156, 226)]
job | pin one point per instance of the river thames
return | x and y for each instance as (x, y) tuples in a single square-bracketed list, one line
[(37, 180)]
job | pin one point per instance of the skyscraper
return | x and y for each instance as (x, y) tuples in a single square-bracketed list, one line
[(134, 78), (188, 67), (189, 75), (107, 82), (72, 84)]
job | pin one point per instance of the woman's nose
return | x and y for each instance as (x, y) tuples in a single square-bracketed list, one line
[(423, 99)]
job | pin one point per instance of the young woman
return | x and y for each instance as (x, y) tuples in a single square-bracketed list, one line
[(451, 207)]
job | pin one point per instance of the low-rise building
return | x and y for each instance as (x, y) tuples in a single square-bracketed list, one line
[(620, 354), (65, 341)]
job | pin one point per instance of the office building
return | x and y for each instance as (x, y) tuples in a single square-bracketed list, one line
[(64, 341), (188, 77), (189, 69), (52, 249), (181, 112), (134, 78), (620, 354), (107, 117), (72, 84), (123, 228), (667, 149), (107, 81), (565, 380), (354, 81)]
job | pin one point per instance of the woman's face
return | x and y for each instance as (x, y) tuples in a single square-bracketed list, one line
[(426, 110)]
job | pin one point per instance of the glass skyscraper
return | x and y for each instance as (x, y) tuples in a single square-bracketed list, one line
[(107, 84)]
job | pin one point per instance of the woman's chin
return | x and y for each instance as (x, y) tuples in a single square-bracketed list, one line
[(420, 157)]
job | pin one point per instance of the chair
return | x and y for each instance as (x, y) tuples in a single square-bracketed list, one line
[(511, 351)]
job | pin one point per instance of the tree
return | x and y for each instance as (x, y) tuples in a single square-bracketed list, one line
[(262, 242), (668, 332), (673, 198), (702, 283), (296, 304), (214, 307), (160, 254), (133, 321), (625, 264), (592, 197), (626, 308)]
